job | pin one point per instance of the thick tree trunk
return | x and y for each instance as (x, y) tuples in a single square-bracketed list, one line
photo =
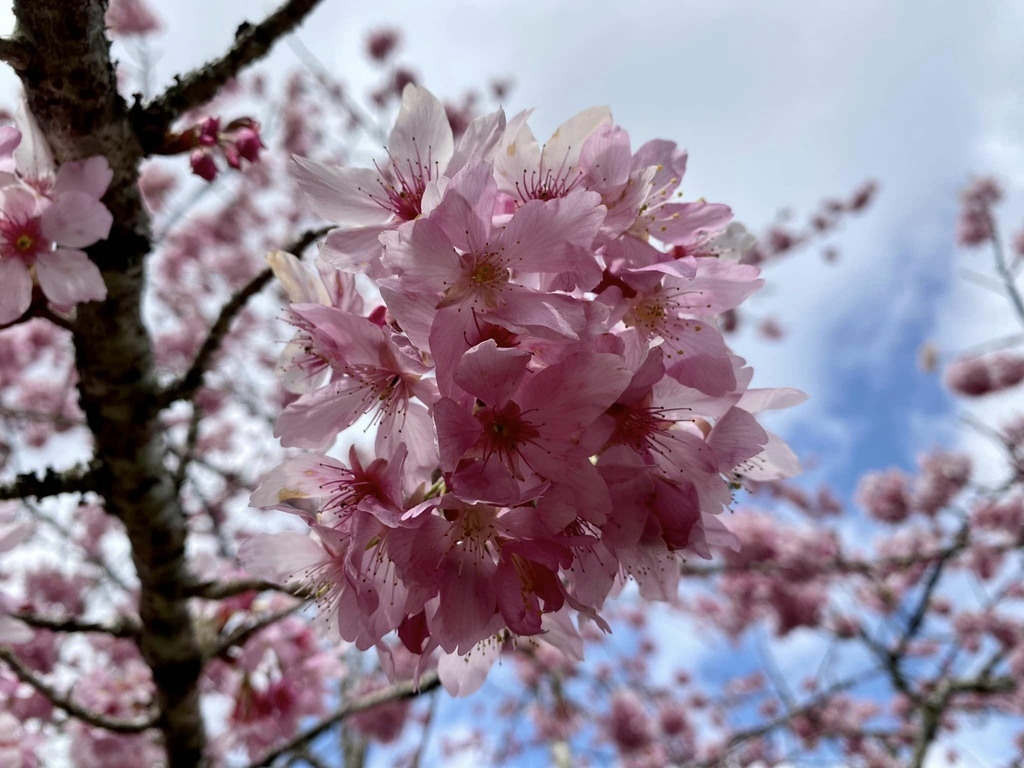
[(71, 89)]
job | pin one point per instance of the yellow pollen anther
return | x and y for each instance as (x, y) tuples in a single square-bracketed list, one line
[(24, 243)]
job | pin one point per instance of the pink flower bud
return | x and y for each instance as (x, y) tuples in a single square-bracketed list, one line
[(983, 375), (248, 144), (203, 165), (381, 44), (232, 156), (209, 131)]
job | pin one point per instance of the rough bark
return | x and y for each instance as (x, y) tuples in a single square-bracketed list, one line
[(71, 88)]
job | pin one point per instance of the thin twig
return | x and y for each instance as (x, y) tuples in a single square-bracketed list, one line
[(217, 590), (252, 42), (1003, 268), (397, 692), (241, 635), (187, 386), (124, 626), (117, 725), (78, 479)]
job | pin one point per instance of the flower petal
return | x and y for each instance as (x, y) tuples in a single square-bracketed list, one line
[(76, 220), (91, 176), (422, 134), (69, 277), (15, 290), (341, 195)]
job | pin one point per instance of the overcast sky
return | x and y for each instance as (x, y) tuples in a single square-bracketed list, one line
[(779, 103)]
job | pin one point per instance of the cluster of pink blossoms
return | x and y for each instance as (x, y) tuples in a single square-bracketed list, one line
[(47, 215), (556, 411)]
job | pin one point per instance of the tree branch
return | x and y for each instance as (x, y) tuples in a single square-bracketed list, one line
[(125, 626), (252, 42), (15, 52), (221, 590), (75, 480), (187, 386), (71, 89), (117, 725), (397, 692), (241, 635)]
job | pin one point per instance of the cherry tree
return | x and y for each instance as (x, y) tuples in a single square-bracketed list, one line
[(320, 432)]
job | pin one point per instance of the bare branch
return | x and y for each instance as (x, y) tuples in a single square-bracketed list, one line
[(75, 480), (1003, 268), (15, 52), (221, 590), (125, 626), (252, 43), (117, 725), (397, 692), (187, 386), (241, 635)]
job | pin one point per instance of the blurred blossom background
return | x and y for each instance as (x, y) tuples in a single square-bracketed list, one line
[(782, 106)]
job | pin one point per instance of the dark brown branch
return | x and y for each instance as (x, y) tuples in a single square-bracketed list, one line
[(252, 42), (52, 483), (125, 626), (241, 635), (15, 52), (397, 692), (71, 89), (221, 590), (117, 725), (187, 386)]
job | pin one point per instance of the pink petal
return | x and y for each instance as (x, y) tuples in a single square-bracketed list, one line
[(756, 400), (537, 236), (467, 207), (480, 139), (548, 315), (670, 162), (353, 250), (605, 157), (563, 148), (314, 420), (422, 134), (69, 277), (467, 599), (289, 486), (280, 557), (12, 535), (736, 437), (463, 675), (422, 255), (76, 220), (15, 290), (13, 632), (414, 429), (91, 176), (689, 223), (10, 138), (301, 285), (574, 392), (17, 203), (492, 374), (696, 356), (457, 430), (518, 156), (341, 195), (776, 462), (33, 156), (413, 311)]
